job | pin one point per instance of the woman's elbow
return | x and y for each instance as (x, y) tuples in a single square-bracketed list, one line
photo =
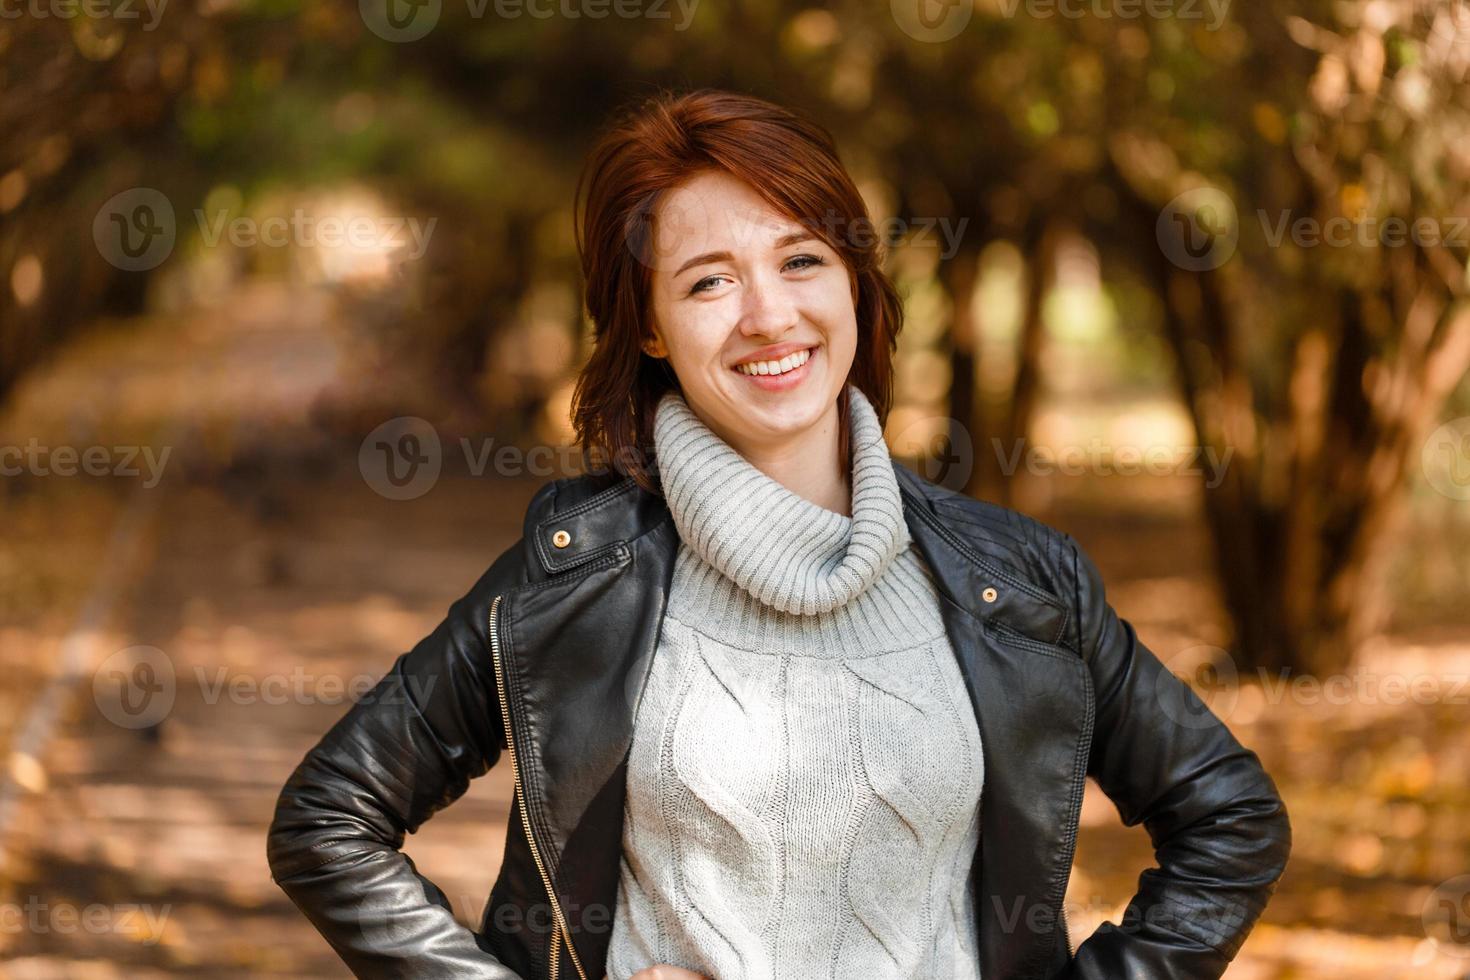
[(287, 841), (1277, 832), (1261, 838)]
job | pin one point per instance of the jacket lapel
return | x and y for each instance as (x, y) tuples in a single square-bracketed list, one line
[(1033, 701), (579, 645)]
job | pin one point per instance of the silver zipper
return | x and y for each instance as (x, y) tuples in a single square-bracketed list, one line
[(561, 932)]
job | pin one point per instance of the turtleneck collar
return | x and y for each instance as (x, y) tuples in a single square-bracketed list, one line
[(788, 552)]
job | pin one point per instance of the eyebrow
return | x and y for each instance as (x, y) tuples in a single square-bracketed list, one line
[(783, 242)]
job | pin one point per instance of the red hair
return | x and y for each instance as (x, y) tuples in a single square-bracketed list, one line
[(792, 163)]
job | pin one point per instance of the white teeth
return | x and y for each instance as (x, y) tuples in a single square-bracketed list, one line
[(787, 363)]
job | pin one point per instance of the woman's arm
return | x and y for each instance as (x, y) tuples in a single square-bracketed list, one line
[(403, 752), (1219, 829)]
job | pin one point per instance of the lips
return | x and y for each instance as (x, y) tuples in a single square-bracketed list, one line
[(776, 365)]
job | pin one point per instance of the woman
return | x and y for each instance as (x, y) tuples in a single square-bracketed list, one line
[(773, 705)]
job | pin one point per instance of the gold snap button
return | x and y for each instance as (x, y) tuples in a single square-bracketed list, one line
[(561, 539), (989, 595)]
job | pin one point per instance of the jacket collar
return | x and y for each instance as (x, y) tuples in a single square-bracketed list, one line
[(592, 519)]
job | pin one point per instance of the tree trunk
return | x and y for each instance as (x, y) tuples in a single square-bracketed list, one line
[(966, 412), (1303, 528), (999, 441)]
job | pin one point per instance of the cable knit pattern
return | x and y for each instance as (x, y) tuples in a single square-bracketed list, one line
[(804, 782), (723, 505)]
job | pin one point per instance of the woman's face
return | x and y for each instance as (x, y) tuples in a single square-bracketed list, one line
[(754, 312)]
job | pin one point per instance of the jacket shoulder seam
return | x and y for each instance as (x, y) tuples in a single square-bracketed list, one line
[(597, 500), (959, 542), (1042, 538)]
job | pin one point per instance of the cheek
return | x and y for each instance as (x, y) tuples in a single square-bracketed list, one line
[(840, 316), (845, 347), (696, 340), (838, 296)]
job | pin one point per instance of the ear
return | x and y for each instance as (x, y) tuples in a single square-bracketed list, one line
[(654, 347)]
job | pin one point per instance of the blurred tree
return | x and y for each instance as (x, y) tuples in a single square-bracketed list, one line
[(1322, 351), (1319, 367), (1184, 148), (81, 121)]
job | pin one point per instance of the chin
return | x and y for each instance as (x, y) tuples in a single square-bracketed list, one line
[(774, 418)]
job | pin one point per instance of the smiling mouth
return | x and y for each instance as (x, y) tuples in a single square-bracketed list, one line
[(779, 366)]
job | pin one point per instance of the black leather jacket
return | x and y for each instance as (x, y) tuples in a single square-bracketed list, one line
[(545, 659)]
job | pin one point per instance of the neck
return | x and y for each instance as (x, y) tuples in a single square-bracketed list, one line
[(806, 463)]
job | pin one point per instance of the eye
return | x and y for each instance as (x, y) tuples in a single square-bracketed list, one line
[(795, 263), (705, 284)]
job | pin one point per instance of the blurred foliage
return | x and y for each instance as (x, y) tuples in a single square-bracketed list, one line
[(1067, 139)]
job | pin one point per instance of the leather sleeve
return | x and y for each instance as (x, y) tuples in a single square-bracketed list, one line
[(404, 751), (1219, 828)]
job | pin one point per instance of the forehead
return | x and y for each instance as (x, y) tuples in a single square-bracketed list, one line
[(714, 212)]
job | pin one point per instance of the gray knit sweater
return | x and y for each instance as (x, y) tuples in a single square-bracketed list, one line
[(805, 775)]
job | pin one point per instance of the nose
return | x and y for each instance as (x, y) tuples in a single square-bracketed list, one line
[(768, 309)]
